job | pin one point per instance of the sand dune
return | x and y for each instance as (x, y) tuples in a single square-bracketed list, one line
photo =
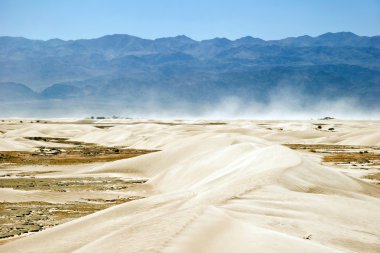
[(220, 188)]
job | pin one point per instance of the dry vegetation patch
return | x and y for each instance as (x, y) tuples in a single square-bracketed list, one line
[(342, 153), (329, 147), (68, 184), (79, 153), (103, 127), (373, 176), (24, 217), (349, 156), (32, 173), (358, 157)]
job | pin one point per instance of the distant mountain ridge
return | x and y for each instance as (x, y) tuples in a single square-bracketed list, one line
[(130, 70)]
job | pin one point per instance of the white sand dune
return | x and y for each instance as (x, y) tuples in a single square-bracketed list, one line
[(222, 188)]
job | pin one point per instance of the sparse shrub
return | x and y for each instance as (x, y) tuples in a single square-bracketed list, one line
[(312, 150), (307, 237)]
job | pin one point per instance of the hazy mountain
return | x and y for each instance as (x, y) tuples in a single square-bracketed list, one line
[(11, 92), (132, 72)]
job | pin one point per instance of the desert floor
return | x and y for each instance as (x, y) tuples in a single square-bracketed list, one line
[(124, 185)]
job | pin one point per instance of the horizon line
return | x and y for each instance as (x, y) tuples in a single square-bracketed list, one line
[(183, 35)]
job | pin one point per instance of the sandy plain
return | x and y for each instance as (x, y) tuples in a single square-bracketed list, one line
[(123, 185)]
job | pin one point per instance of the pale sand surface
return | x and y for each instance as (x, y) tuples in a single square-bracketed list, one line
[(214, 188)]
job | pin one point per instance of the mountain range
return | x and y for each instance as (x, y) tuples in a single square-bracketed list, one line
[(123, 73)]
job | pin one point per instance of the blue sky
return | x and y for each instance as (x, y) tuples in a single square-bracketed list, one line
[(198, 19)]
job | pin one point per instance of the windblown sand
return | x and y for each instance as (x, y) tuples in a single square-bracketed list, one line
[(228, 186)]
